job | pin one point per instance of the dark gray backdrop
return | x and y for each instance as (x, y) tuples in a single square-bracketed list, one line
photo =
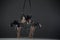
[(44, 11)]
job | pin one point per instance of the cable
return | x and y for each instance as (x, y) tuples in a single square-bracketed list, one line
[(30, 3), (25, 4)]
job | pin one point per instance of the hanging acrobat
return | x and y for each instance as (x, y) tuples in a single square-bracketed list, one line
[(26, 27)]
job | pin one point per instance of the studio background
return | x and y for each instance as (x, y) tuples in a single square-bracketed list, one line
[(47, 12)]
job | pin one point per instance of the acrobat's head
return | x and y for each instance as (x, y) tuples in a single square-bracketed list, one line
[(23, 18), (28, 18)]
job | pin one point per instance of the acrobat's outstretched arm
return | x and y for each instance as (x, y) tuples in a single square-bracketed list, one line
[(40, 25)]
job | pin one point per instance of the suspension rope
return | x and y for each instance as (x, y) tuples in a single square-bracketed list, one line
[(30, 3), (25, 4)]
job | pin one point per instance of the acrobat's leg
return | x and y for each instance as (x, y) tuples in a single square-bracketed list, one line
[(32, 29), (18, 32)]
